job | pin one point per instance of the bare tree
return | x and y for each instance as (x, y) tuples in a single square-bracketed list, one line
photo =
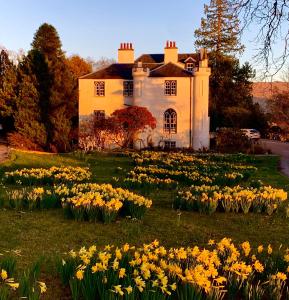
[(101, 63), (272, 19)]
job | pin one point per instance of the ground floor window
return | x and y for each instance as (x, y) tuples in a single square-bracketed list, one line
[(170, 144), (99, 115), (170, 121)]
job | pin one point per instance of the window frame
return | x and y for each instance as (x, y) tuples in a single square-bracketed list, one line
[(170, 88), (99, 88), (128, 88), (170, 121), (99, 114), (191, 68), (170, 144)]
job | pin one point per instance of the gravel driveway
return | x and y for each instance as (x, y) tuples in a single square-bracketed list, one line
[(281, 149)]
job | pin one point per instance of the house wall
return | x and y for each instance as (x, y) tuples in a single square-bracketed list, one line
[(154, 99), (112, 100), (190, 104)]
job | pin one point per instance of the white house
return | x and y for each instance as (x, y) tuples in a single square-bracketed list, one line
[(173, 87)]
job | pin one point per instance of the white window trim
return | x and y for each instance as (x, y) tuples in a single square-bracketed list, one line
[(99, 94), (170, 88), (128, 92)]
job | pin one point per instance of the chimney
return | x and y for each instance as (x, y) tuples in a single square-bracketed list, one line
[(126, 53), (171, 52), (203, 58)]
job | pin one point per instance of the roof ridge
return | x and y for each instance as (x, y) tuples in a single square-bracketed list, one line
[(101, 69)]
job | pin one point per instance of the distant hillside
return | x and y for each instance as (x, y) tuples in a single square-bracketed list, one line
[(262, 91)]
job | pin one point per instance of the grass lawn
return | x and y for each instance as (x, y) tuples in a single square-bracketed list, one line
[(49, 234)]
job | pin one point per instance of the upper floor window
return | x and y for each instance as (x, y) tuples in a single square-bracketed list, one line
[(170, 121), (190, 67), (128, 88), (99, 115), (170, 87), (99, 88)]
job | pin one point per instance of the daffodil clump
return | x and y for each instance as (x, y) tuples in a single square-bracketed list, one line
[(86, 201), (93, 201), (48, 176), (208, 199), (142, 180), (154, 272), (35, 198), (26, 286), (7, 284), (168, 170), (208, 162)]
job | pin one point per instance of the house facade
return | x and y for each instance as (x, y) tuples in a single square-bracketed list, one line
[(174, 87)]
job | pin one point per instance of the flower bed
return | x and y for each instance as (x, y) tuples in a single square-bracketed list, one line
[(167, 170), (87, 201), (208, 199), (48, 176), (101, 201), (154, 272), (37, 198)]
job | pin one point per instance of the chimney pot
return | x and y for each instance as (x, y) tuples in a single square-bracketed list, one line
[(126, 53), (171, 52)]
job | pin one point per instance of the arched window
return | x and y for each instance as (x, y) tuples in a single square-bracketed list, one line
[(170, 121)]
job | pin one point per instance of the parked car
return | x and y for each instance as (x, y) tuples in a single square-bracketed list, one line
[(252, 134)]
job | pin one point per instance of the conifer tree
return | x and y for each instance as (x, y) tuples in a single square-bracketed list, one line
[(27, 114), (8, 80), (219, 31), (230, 83), (56, 86)]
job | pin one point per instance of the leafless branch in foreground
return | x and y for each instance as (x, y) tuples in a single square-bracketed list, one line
[(272, 19)]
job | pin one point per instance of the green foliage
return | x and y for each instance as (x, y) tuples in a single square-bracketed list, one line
[(8, 80), (27, 116), (43, 98), (57, 87), (230, 140), (231, 100), (219, 31)]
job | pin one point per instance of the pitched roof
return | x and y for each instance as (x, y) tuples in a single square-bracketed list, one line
[(159, 58), (114, 71), (151, 58), (170, 70), (155, 62)]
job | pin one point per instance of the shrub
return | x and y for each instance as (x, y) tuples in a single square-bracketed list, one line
[(231, 140), (19, 141)]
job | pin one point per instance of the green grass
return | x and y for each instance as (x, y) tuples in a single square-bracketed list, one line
[(49, 234)]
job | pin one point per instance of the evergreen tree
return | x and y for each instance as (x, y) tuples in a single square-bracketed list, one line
[(30, 130), (231, 99), (56, 86), (219, 31), (8, 80)]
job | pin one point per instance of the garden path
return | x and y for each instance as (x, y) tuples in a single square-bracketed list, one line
[(281, 149)]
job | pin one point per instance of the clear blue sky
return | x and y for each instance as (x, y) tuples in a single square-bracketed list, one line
[(95, 28)]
